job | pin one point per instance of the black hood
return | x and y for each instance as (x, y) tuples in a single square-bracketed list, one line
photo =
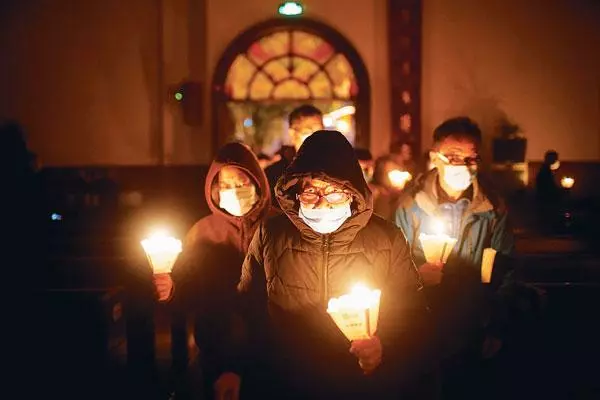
[(327, 155)]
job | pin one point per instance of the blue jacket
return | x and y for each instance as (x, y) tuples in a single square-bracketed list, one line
[(461, 302), (477, 224)]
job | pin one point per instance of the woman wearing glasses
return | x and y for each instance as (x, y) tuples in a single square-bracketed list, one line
[(451, 195), (326, 241)]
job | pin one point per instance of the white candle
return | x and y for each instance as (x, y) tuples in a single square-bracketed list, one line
[(487, 264), (162, 251), (356, 313)]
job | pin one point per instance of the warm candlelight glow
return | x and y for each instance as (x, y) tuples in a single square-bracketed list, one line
[(356, 313), (567, 182), (398, 178), (439, 227), (162, 251), (437, 247)]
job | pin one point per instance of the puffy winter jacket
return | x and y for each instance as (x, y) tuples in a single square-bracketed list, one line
[(291, 272)]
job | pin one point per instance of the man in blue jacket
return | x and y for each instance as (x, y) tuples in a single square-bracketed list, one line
[(470, 316)]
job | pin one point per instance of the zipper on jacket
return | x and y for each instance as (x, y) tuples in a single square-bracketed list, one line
[(324, 276)]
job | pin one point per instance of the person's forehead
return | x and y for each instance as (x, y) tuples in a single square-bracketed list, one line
[(232, 173), (319, 184), (457, 145), (308, 121)]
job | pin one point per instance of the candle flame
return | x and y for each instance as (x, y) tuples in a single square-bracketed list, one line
[(162, 251), (399, 178), (439, 227), (567, 182), (160, 242), (359, 298)]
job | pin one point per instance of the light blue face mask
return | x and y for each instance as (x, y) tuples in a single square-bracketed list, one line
[(325, 220)]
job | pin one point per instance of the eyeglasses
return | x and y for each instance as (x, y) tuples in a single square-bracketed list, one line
[(454, 159), (332, 198)]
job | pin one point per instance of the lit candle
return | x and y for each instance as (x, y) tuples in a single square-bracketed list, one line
[(437, 247), (162, 251), (398, 178), (356, 313), (567, 182)]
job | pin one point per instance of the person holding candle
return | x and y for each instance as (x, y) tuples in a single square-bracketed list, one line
[(450, 201), (326, 241), (205, 276)]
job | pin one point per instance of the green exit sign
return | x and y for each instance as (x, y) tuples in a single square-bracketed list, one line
[(291, 9)]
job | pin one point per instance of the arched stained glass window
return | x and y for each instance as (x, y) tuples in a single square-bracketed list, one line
[(291, 65)]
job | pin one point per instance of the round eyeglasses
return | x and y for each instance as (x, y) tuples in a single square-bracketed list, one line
[(453, 159), (332, 198)]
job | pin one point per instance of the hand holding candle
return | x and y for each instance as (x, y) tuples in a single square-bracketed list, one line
[(162, 251), (437, 247), (356, 313)]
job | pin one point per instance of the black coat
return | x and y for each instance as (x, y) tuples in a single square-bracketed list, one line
[(291, 272)]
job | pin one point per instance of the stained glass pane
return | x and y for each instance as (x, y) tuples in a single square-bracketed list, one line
[(341, 74), (291, 90), (271, 55), (270, 46), (278, 69), (238, 78), (320, 86), (303, 68), (261, 87), (311, 46)]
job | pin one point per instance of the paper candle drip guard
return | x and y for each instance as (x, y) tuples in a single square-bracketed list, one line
[(162, 252), (437, 248), (356, 314)]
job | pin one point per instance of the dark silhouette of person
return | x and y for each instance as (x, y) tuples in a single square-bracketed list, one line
[(21, 205), (23, 227), (547, 191)]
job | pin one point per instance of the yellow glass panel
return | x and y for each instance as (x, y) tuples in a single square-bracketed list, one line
[(320, 86), (303, 68), (341, 74), (261, 87), (266, 48), (311, 46), (238, 77), (278, 69), (291, 90)]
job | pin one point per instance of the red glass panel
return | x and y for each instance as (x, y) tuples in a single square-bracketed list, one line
[(268, 47), (311, 46)]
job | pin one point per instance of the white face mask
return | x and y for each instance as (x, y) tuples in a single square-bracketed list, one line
[(325, 220), (458, 177), (238, 201)]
